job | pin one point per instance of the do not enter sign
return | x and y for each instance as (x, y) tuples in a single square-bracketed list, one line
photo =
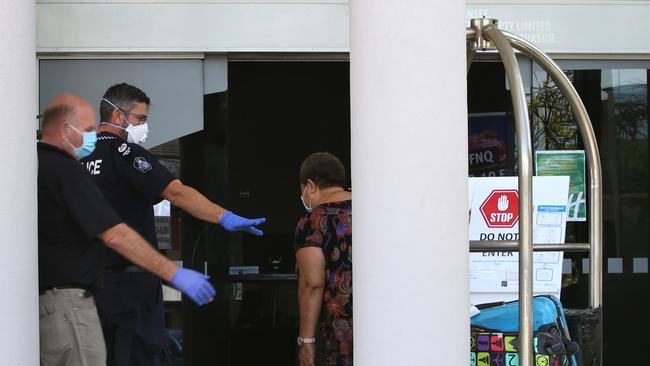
[(501, 208)]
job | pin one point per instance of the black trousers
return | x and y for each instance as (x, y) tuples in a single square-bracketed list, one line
[(130, 308)]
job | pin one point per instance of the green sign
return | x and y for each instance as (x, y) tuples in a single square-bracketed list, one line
[(571, 163)]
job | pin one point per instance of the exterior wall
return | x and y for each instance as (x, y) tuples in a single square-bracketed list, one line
[(192, 26), (407, 214), (19, 215), (143, 26)]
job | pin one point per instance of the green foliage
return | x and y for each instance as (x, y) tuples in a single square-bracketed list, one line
[(554, 127)]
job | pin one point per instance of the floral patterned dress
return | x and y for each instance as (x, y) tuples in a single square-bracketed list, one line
[(329, 226)]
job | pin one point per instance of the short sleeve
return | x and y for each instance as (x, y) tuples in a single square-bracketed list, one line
[(144, 173), (309, 231), (87, 204)]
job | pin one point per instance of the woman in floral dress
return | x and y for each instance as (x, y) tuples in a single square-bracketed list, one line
[(323, 246)]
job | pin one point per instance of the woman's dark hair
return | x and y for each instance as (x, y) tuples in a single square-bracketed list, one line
[(325, 169)]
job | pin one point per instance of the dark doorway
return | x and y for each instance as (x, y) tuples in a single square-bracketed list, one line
[(256, 134)]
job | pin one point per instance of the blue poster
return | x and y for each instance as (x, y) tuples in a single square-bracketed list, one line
[(491, 145)]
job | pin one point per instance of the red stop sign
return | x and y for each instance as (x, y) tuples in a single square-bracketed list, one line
[(501, 208)]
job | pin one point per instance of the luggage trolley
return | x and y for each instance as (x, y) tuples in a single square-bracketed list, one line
[(482, 35)]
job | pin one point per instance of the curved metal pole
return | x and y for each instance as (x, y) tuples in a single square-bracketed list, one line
[(592, 156), (470, 34), (525, 158)]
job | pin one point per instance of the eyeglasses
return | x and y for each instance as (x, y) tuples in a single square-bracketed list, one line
[(142, 118)]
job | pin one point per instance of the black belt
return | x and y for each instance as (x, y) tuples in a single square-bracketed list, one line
[(87, 291), (131, 269)]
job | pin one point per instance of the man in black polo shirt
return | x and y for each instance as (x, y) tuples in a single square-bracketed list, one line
[(73, 220), (133, 180)]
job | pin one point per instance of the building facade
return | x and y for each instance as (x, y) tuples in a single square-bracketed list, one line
[(233, 84)]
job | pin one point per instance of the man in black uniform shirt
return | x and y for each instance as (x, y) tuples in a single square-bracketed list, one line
[(73, 220), (133, 180)]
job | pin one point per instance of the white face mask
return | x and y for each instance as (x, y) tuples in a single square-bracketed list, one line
[(307, 208), (135, 134)]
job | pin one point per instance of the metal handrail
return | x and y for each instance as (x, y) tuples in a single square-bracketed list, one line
[(482, 32), (513, 246)]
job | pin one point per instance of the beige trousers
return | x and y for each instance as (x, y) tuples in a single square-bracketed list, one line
[(70, 332)]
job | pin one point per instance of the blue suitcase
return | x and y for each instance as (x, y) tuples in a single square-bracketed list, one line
[(495, 329)]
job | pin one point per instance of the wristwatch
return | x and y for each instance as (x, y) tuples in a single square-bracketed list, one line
[(302, 340)]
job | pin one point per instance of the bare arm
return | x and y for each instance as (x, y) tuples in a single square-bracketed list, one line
[(311, 284), (133, 247), (193, 202), (197, 205)]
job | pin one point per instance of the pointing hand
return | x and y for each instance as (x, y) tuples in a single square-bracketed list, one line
[(232, 222)]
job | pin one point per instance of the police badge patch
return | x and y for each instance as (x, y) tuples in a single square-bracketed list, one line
[(124, 149), (141, 164)]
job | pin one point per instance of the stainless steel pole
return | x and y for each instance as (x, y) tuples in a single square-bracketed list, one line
[(470, 35), (593, 161), (520, 107)]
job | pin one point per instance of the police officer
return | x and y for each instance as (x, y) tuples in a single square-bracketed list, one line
[(133, 180), (73, 221)]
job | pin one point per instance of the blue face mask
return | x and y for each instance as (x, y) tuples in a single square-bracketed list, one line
[(88, 145)]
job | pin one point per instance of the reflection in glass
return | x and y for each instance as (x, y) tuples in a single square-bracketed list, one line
[(625, 102), (616, 100), (617, 103), (554, 127)]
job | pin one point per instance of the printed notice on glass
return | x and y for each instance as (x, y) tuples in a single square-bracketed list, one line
[(571, 163), (494, 215), (162, 224)]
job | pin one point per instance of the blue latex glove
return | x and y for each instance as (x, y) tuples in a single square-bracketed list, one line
[(232, 222), (194, 284)]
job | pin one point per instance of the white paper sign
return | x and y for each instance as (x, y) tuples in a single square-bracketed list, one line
[(162, 222), (494, 215), (163, 231)]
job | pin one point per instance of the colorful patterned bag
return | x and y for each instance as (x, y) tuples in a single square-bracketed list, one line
[(494, 336)]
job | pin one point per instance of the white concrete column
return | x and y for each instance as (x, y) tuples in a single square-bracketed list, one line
[(409, 179), (18, 212)]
